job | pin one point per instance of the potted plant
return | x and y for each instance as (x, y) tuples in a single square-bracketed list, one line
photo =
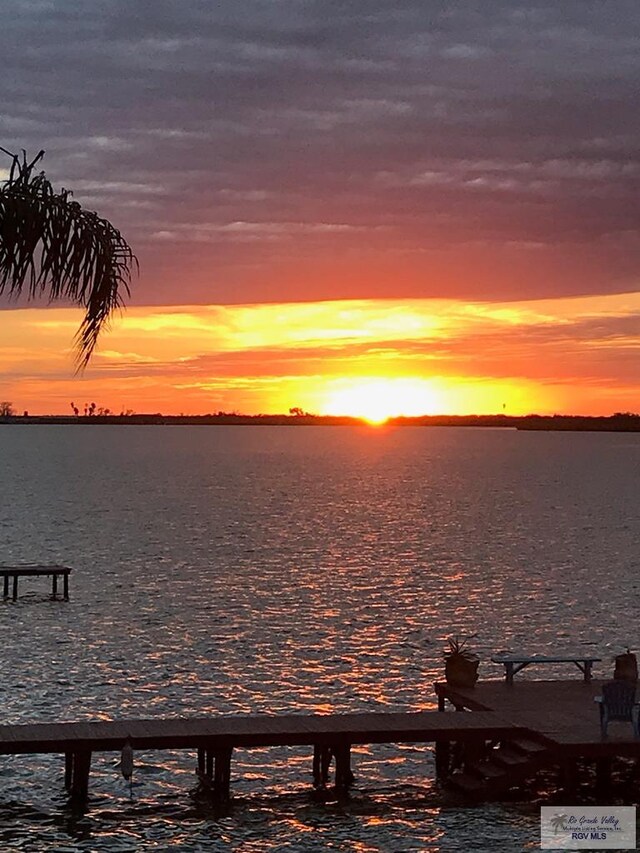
[(461, 664)]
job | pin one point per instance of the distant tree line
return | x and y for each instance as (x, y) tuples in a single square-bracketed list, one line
[(91, 410)]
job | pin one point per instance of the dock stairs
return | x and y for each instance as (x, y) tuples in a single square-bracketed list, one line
[(503, 767)]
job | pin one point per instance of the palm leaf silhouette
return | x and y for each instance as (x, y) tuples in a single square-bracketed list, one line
[(50, 246)]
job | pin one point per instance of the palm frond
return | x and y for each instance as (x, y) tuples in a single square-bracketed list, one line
[(50, 246)]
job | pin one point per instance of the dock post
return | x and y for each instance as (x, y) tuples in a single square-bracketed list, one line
[(325, 763), (443, 758), (603, 775), (442, 747), (68, 770), (321, 762), (222, 774), (320, 766), (569, 777), (15, 587), (344, 776), (201, 761), (5, 594), (80, 774), (317, 779), (65, 586), (54, 586), (209, 764)]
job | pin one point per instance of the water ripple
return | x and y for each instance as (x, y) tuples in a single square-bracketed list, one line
[(248, 570)]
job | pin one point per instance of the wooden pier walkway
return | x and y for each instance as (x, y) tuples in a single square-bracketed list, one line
[(510, 731), (214, 739), (54, 572)]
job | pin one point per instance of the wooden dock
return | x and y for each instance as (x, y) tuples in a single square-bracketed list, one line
[(562, 726), (54, 572), (508, 733), (214, 738)]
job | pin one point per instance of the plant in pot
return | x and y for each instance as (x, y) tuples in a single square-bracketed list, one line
[(461, 664)]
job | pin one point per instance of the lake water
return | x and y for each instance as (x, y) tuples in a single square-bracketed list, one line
[(277, 569)]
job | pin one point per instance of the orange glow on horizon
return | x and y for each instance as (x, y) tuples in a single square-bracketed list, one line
[(373, 359)]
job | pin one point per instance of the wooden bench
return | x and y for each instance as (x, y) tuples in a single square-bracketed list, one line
[(54, 572), (514, 663)]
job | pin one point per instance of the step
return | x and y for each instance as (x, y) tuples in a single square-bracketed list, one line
[(509, 757), (468, 784), (523, 744), (487, 770)]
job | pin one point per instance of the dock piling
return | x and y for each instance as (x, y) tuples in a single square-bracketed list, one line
[(201, 761), (344, 776), (603, 775), (321, 762), (443, 758), (205, 762), (68, 770), (569, 777), (317, 777), (81, 766), (222, 774), (442, 747)]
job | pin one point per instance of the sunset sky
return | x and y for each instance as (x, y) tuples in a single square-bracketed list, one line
[(343, 206)]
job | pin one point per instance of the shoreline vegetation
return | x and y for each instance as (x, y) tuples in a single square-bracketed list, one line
[(619, 422)]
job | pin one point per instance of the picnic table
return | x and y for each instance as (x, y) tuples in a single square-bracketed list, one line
[(514, 663)]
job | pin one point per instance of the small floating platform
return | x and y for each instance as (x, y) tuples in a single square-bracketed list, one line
[(30, 571)]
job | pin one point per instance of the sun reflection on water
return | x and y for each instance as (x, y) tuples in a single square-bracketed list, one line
[(293, 571)]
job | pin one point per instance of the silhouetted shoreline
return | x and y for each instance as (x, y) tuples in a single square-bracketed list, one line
[(620, 422)]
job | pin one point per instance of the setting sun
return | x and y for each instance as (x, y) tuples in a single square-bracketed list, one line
[(376, 400)]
